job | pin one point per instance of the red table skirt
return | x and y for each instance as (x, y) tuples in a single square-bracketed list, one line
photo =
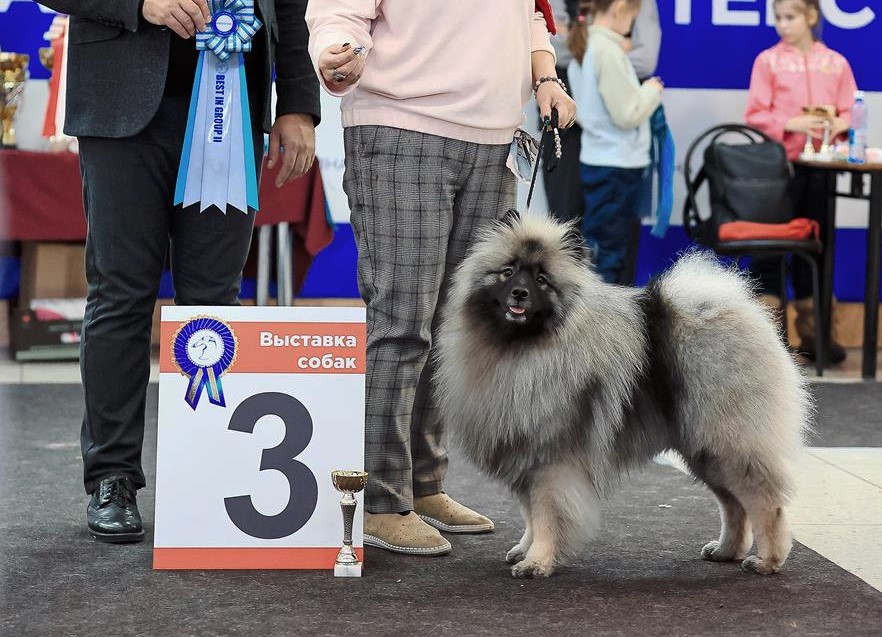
[(41, 200)]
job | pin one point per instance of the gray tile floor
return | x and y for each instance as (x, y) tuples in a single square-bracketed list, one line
[(56, 581)]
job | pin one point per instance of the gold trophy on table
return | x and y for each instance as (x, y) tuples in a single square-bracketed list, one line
[(828, 113), (348, 483), (14, 74)]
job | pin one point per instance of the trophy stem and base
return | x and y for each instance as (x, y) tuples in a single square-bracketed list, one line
[(347, 564)]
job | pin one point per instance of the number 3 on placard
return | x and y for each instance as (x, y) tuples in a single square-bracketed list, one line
[(298, 433)]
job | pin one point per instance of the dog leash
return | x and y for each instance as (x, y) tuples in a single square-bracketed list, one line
[(551, 165)]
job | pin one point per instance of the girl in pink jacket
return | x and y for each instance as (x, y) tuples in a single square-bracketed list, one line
[(799, 71)]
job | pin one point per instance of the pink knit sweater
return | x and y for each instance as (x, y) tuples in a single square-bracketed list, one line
[(785, 79), (455, 68)]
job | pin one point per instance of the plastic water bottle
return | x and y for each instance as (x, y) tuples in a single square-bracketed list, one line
[(857, 134)]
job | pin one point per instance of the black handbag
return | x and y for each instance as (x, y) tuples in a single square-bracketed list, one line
[(747, 182)]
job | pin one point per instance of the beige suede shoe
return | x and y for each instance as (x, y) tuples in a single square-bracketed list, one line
[(403, 534), (446, 514)]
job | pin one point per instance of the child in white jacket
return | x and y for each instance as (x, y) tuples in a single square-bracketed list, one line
[(613, 109)]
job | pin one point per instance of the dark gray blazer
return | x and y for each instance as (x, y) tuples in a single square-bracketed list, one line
[(117, 63)]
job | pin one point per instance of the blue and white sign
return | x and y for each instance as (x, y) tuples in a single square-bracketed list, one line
[(707, 53), (712, 43)]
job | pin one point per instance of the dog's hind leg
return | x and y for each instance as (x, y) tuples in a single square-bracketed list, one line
[(735, 533), (519, 550), (564, 512), (764, 503), (761, 488)]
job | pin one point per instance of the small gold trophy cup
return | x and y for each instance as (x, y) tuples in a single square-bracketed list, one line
[(13, 75), (348, 483)]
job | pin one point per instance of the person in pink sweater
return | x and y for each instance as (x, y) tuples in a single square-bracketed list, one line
[(433, 93), (800, 71)]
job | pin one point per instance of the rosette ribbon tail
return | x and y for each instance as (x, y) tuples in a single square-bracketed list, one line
[(215, 390), (194, 388)]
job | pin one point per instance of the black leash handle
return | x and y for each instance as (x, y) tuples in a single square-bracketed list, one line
[(545, 131)]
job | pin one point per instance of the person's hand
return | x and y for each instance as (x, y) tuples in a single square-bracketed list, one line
[(656, 83), (340, 66), (550, 95), (627, 45), (293, 140), (838, 126), (811, 125), (184, 17)]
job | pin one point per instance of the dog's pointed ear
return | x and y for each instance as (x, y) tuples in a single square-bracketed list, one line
[(511, 217), (575, 244)]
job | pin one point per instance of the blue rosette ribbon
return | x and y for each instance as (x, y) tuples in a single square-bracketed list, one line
[(203, 350), (217, 161)]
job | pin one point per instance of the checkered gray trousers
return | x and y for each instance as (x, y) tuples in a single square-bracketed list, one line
[(416, 202)]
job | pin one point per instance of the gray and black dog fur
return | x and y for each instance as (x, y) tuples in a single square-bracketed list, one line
[(557, 384)]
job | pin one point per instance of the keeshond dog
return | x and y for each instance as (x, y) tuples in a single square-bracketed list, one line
[(557, 384)]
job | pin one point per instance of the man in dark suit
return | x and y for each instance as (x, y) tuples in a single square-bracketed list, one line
[(130, 69)]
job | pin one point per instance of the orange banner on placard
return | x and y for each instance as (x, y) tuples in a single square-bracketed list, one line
[(284, 348), (268, 558)]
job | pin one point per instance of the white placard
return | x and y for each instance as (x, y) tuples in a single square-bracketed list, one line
[(257, 406)]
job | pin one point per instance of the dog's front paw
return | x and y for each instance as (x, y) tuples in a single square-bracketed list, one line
[(531, 569), (715, 552), (515, 554), (756, 564)]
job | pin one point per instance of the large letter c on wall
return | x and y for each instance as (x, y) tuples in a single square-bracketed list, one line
[(845, 20)]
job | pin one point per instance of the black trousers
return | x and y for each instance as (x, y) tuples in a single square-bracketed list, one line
[(809, 192), (563, 186), (128, 189)]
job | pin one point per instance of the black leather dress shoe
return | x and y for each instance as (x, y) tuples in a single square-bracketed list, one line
[(113, 514)]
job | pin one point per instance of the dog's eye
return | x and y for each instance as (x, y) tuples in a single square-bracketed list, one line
[(541, 279), (507, 272)]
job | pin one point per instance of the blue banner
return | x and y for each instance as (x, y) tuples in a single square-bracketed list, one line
[(706, 43), (713, 43)]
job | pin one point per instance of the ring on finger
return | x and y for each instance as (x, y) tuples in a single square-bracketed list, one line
[(338, 76)]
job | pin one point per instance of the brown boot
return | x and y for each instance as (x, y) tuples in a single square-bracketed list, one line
[(773, 304), (403, 534), (805, 329)]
